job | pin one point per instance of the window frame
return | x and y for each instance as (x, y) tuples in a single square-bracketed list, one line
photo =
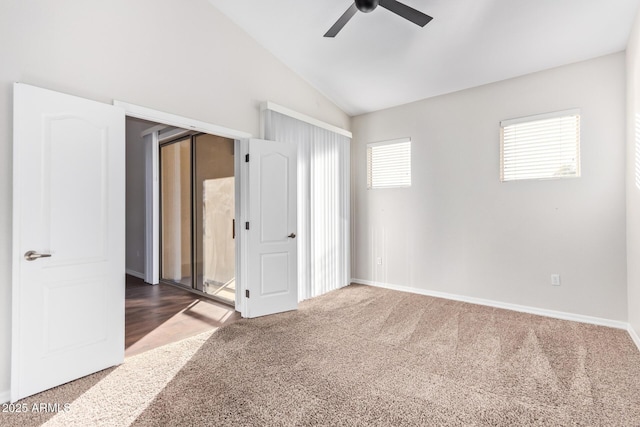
[(369, 159), (537, 118)]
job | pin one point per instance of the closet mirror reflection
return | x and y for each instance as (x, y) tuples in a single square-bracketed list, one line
[(197, 202)]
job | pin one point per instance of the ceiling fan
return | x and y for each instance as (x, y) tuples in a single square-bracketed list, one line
[(367, 6)]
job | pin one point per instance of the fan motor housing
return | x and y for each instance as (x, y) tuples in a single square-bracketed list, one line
[(366, 6)]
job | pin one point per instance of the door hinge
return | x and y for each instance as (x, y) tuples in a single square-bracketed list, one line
[(246, 293), (246, 225), (246, 158)]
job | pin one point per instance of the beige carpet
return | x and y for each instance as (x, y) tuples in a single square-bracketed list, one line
[(364, 356)]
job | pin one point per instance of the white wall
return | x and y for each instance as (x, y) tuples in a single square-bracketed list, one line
[(136, 223), (633, 178), (459, 230), (181, 57)]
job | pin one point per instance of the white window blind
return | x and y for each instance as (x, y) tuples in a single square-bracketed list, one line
[(544, 146), (389, 164)]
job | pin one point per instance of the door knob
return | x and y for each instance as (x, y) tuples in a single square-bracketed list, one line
[(292, 236), (33, 255)]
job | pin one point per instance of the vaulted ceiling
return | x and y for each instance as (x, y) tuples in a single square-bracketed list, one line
[(380, 60)]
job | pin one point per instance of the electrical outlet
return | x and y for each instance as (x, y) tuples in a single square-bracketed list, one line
[(379, 261), (555, 280)]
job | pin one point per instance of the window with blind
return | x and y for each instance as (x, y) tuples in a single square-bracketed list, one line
[(544, 146), (389, 164)]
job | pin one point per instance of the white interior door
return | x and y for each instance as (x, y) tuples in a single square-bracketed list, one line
[(69, 201), (272, 268)]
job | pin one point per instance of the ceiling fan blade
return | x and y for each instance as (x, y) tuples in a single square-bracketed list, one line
[(406, 12), (342, 21)]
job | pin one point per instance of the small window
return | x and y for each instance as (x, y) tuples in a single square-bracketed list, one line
[(544, 146), (389, 164)]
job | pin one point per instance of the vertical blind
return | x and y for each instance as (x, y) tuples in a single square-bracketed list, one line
[(323, 203), (540, 147), (389, 164), (637, 149)]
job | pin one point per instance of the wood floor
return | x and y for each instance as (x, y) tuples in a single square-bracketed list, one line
[(161, 314)]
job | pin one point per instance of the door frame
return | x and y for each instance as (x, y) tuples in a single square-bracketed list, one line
[(241, 147)]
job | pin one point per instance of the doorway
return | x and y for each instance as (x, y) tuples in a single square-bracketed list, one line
[(197, 215), (260, 289)]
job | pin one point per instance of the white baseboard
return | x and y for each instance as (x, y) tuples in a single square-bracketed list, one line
[(5, 396), (507, 306), (135, 274), (634, 336)]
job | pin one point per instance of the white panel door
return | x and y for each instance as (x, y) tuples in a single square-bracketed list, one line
[(69, 214), (272, 246)]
